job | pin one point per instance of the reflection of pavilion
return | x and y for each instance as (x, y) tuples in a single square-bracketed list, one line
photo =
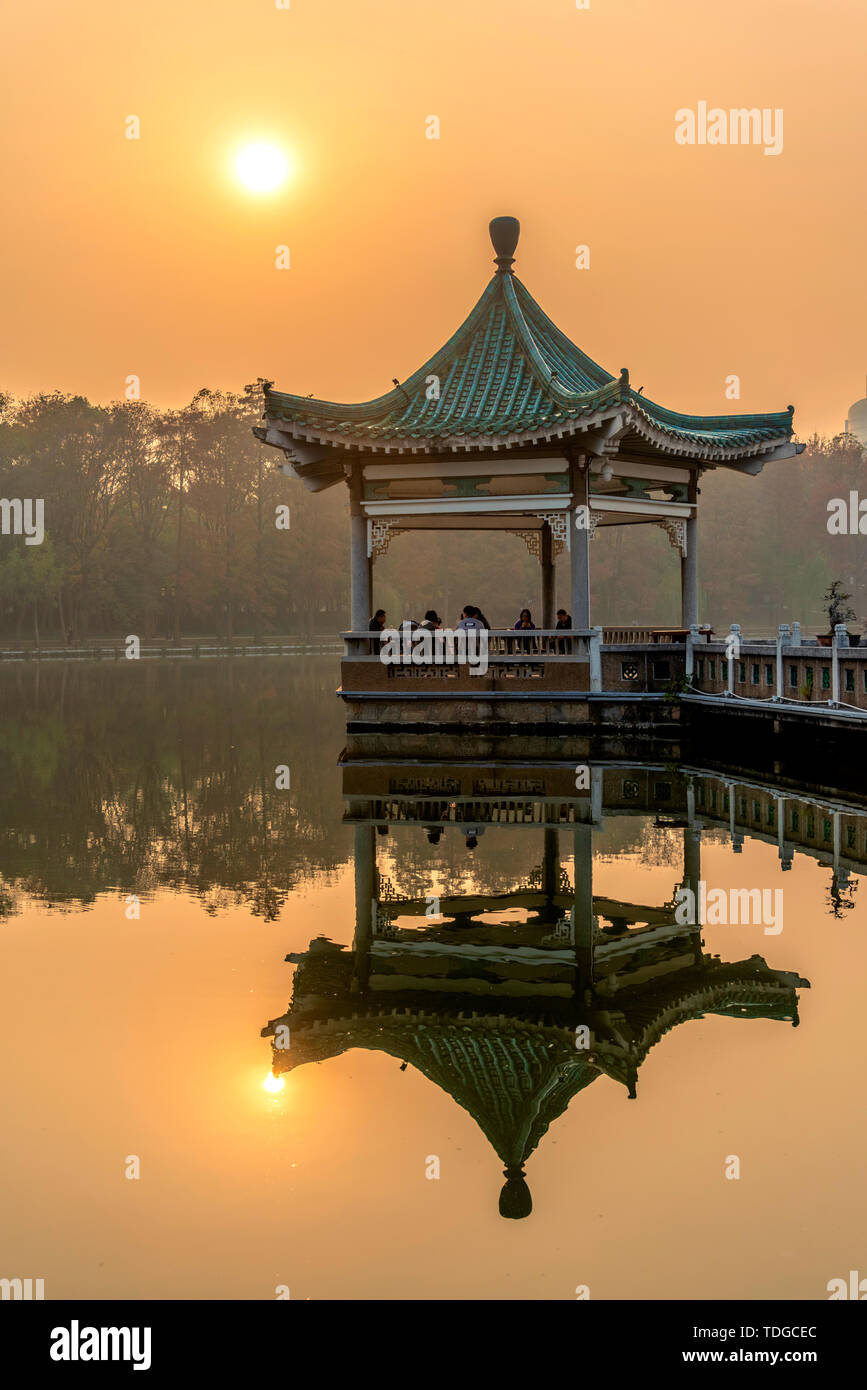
[(512, 1017)]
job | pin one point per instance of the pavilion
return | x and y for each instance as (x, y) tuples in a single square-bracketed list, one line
[(510, 426)]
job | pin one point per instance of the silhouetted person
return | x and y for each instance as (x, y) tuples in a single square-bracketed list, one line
[(564, 620), (468, 617), (376, 624), (525, 624)]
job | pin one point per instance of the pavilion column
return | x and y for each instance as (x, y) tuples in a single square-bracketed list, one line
[(359, 565), (584, 926), (365, 895), (580, 546), (550, 871), (692, 865), (547, 561), (689, 574), (691, 844)]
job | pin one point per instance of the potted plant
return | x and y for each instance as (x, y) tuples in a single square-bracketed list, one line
[(838, 612)]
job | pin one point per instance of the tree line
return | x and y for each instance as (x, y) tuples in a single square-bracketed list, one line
[(161, 523), (169, 523)]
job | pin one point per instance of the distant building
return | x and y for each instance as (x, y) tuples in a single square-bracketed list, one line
[(856, 423)]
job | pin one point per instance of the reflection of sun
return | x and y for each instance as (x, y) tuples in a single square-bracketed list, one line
[(273, 1083), (261, 167)]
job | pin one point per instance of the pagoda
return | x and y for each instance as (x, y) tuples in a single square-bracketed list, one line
[(510, 426)]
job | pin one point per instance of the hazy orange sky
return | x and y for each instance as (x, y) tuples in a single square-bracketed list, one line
[(145, 256)]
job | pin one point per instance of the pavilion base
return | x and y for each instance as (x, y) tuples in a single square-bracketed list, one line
[(557, 725), (607, 724)]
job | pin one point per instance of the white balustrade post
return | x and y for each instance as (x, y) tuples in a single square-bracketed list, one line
[(733, 647), (691, 638), (596, 659), (782, 641), (840, 639)]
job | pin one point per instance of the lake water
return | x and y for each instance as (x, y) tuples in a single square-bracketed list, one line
[(522, 1075)]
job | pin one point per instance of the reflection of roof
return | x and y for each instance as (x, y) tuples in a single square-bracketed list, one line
[(509, 373), (515, 1074), (512, 1076)]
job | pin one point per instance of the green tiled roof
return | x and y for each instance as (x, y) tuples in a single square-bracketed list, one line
[(513, 1078), (515, 1075), (510, 375)]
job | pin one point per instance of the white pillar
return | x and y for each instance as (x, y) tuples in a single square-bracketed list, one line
[(580, 548), (359, 567), (689, 574), (547, 563)]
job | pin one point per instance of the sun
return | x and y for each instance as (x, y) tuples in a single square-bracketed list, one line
[(262, 167)]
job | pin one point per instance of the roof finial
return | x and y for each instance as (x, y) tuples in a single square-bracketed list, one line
[(515, 1199), (504, 236)]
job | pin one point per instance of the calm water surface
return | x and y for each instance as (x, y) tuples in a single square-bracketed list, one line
[(438, 1132)]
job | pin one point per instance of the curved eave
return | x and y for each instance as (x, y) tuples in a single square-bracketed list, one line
[(666, 440)]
